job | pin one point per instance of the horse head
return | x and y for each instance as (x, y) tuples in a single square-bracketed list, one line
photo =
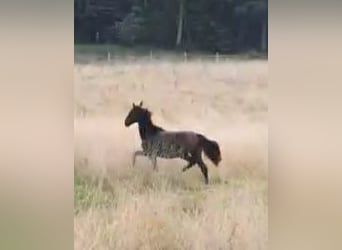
[(136, 114)]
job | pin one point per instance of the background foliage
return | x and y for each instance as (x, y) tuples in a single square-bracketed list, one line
[(209, 25)]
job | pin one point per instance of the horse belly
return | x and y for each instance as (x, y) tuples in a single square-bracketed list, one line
[(166, 146), (171, 151)]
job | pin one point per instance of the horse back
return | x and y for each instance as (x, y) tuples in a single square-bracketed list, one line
[(186, 139)]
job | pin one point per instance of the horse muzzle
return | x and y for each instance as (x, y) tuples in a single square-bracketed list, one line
[(127, 123)]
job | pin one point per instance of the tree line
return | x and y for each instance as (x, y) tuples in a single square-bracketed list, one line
[(210, 25)]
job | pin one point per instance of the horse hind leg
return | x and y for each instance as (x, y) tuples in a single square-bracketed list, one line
[(191, 162), (204, 169)]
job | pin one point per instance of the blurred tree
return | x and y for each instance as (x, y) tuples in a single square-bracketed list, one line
[(214, 25), (180, 22), (252, 23)]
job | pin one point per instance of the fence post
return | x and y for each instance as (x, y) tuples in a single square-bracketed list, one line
[(108, 56), (185, 56), (97, 37), (151, 55), (217, 57)]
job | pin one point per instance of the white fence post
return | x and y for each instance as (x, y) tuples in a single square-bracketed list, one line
[(151, 55), (108, 56), (185, 56), (97, 37)]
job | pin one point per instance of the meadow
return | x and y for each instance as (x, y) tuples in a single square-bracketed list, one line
[(118, 206)]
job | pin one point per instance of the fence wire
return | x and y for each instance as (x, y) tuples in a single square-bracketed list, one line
[(110, 57)]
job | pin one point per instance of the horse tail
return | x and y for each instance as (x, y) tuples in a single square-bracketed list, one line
[(211, 149)]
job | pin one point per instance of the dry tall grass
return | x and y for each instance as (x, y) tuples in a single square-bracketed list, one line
[(120, 207)]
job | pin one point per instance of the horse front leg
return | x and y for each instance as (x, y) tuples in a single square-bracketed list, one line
[(135, 154), (204, 170), (154, 162)]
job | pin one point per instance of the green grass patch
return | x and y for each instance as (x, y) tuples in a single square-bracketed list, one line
[(91, 193)]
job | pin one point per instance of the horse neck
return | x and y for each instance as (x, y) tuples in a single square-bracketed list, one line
[(142, 132), (147, 129)]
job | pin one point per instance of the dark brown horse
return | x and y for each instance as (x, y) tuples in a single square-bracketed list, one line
[(156, 142)]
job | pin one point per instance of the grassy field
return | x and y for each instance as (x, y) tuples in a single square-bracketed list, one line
[(121, 207)]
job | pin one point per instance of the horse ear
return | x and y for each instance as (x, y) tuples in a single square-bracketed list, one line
[(141, 103), (133, 104)]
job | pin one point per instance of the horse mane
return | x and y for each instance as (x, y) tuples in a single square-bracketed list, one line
[(149, 125), (149, 115), (159, 129)]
